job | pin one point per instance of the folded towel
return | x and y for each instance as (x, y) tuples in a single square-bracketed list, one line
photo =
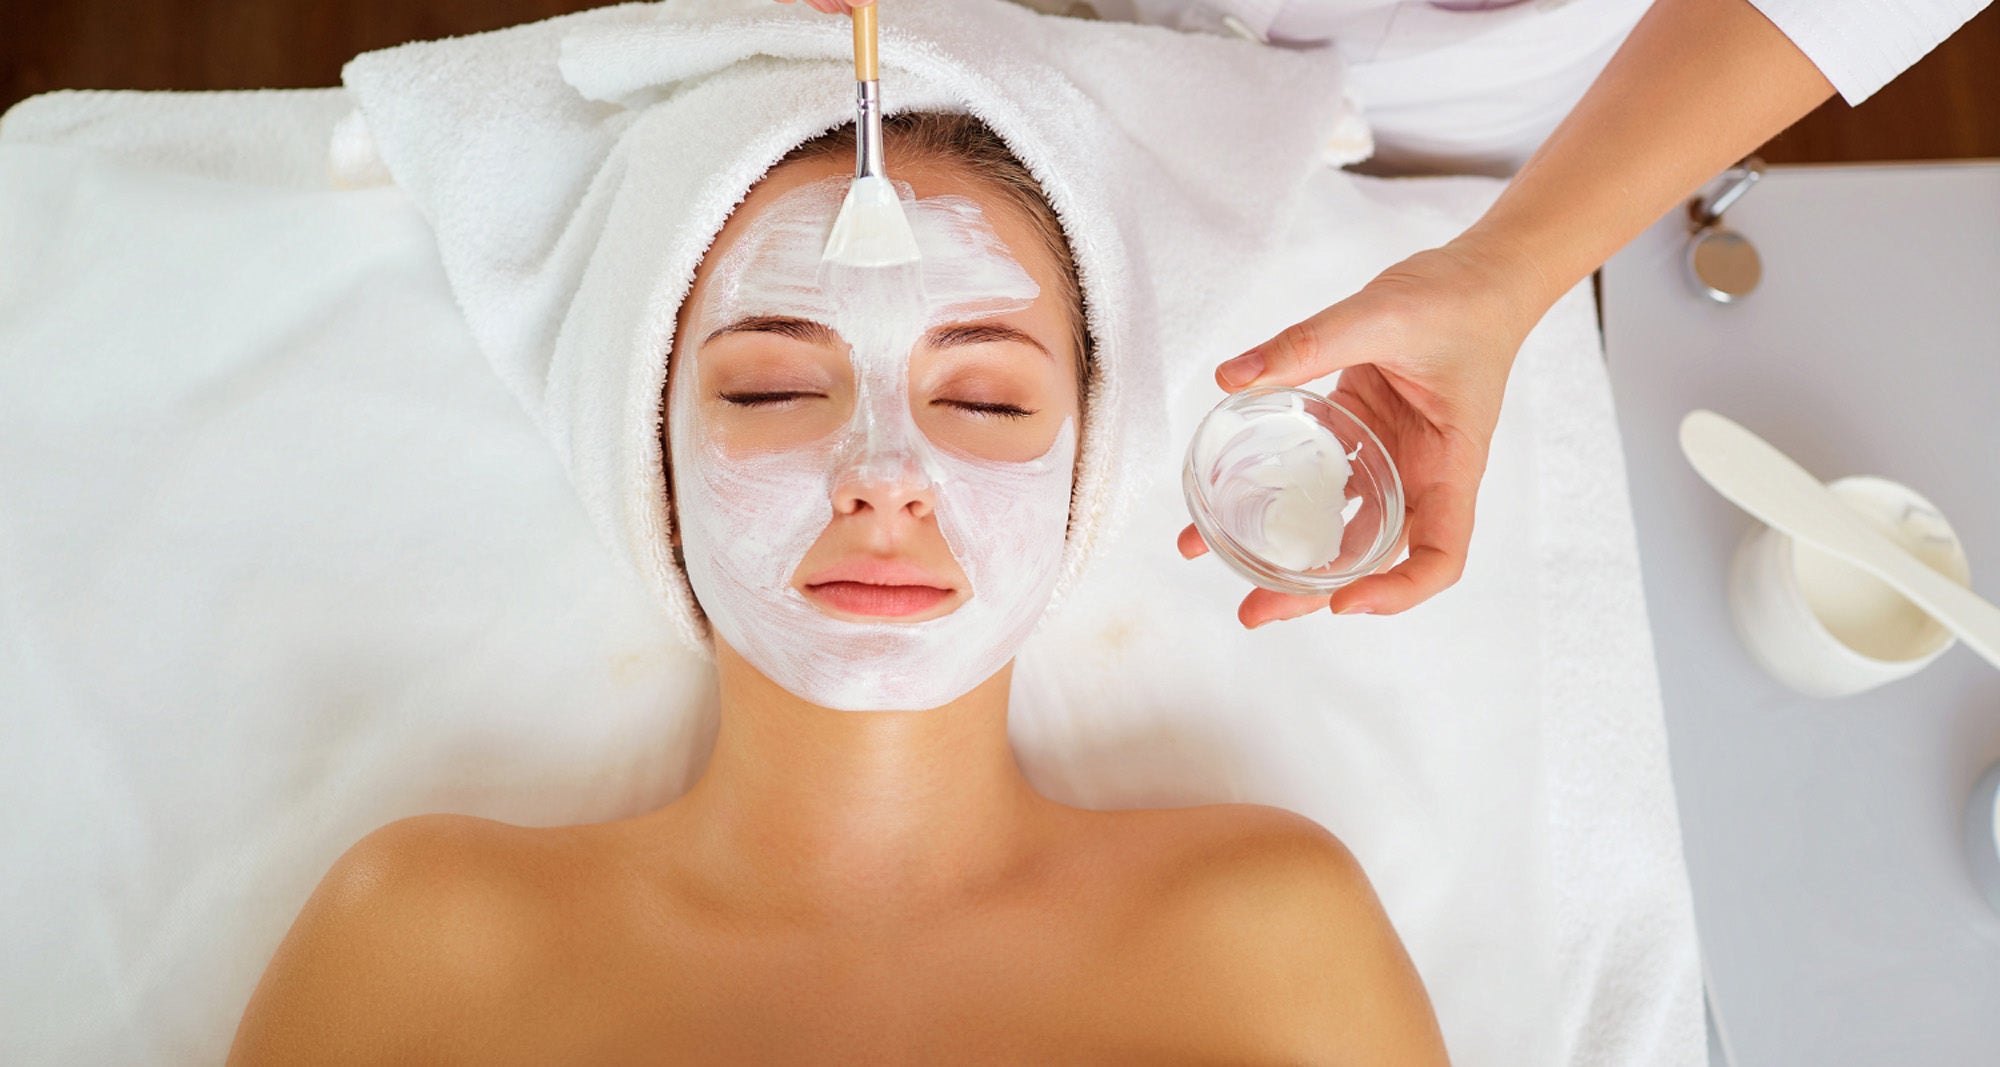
[(273, 137), (576, 170)]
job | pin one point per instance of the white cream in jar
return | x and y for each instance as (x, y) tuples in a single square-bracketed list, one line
[(1278, 483)]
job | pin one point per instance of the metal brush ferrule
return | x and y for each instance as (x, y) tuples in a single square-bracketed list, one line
[(867, 130)]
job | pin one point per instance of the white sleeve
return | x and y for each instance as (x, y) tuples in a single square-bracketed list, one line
[(1860, 45)]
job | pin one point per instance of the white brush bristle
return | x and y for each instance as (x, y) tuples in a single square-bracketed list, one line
[(871, 230)]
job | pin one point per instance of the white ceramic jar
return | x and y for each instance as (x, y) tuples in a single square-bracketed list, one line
[(1828, 628)]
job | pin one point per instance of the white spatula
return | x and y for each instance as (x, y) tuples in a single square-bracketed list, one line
[(1766, 483)]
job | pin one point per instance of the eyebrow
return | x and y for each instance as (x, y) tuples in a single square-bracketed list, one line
[(948, 336), (783, 325), (975, 333)]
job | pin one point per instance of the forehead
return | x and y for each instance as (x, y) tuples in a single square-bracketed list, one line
[(979, 253)]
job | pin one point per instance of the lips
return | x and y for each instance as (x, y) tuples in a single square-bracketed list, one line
[(879, 588)]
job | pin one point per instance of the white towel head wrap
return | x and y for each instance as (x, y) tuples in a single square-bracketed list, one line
[(575, 172)]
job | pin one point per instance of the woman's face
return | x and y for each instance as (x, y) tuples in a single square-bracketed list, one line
[(874, 465)]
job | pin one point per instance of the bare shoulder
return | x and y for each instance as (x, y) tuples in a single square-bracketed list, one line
[(1210, 831), (1277, 911), (421, 924)]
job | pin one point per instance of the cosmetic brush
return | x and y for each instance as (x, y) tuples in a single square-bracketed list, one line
[(870, 230)]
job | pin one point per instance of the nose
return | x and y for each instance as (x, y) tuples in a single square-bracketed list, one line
[(887, 477)]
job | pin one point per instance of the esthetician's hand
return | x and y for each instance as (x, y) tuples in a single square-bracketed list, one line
[(1425, 348), (1430, 342)]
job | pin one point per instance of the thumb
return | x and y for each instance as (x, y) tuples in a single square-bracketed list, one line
[(1337, 337)]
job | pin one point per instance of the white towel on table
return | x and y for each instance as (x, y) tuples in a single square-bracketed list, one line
[(280, 560)]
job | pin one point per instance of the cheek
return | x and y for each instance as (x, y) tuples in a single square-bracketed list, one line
[(1007, 522)]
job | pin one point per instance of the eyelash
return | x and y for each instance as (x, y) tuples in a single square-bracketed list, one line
[(752, 400), (1001, 411)]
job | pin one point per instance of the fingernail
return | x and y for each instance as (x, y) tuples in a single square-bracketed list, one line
[(1354, 609), (1244, 369)]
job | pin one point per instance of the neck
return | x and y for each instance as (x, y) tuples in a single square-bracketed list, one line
[(857, 811)]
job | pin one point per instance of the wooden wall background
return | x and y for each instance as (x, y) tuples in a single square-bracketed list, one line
[(1946, 107)]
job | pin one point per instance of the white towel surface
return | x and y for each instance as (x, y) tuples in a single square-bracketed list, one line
[(282, 560)]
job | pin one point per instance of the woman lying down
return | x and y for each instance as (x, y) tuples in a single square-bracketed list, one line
[(871, 485)]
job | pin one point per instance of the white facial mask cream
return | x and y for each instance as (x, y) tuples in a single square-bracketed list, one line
[(748, 518), (1281, 484)]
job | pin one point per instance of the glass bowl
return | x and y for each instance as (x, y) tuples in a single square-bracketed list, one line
[(1261, 478)]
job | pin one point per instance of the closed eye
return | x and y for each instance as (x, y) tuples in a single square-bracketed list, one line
[(752, 400), (1004, 411)]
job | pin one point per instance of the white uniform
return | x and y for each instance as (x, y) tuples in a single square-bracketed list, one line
[(1475, 85)]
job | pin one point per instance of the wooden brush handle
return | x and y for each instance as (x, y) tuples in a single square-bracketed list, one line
[(864, 43)]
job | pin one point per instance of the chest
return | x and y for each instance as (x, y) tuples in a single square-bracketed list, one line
[(1041, 985)]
